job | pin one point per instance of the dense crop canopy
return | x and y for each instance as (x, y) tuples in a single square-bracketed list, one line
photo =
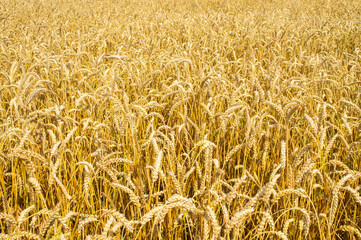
[(167, 119)]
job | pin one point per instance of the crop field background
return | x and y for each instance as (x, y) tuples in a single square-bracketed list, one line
[(165, 119)]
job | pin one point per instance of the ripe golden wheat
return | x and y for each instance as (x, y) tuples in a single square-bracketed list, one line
[(165, 119)]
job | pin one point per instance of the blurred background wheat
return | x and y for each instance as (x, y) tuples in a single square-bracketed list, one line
[(215, 119)]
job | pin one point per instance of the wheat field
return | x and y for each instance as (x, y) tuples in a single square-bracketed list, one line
[(166, 119)]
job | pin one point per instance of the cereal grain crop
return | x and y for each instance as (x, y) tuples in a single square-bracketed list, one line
[(166, 119)]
